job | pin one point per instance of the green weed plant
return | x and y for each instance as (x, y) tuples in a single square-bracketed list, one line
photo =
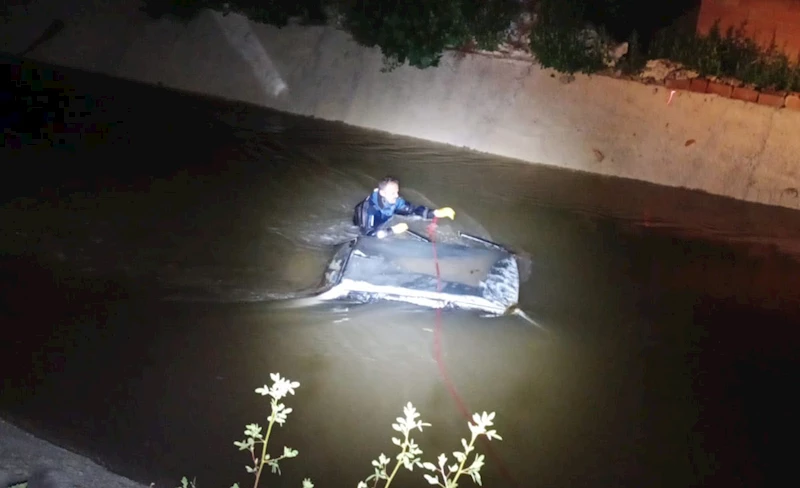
[(444, 473)]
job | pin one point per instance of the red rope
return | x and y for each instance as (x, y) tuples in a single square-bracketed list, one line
[(437, 347)]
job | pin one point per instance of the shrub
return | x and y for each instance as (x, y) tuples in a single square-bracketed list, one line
[(419, 31), (732, 55), (444, 474), (560, 40), (636, 59)]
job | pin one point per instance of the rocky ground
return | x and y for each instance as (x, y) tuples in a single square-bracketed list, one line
[(22, 454)]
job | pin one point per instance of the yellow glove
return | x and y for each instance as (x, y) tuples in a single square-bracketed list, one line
[(445, 212), (400, 228)]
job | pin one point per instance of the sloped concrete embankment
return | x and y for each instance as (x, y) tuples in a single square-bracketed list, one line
[(509, 108), (22, 455)]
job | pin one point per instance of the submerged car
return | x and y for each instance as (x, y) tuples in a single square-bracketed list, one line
[(473, 273)]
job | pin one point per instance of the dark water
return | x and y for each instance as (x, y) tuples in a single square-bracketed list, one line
[(146, 236)]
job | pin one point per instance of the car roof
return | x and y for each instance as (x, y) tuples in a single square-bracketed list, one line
[(394, 268)]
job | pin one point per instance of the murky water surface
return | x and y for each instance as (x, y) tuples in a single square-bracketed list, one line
[(143, 257)]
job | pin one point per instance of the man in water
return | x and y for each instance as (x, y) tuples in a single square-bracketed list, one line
[(372, 213)]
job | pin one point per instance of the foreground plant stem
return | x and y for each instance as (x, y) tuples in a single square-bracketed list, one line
[(264, 447), (396, 467), (464, 461)]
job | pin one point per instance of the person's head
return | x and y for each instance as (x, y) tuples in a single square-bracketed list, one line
[(389, 189)]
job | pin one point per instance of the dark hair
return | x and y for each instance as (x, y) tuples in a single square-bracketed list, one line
[(386, 180)]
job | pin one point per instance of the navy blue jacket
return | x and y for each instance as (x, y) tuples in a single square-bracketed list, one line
[(373, 212)]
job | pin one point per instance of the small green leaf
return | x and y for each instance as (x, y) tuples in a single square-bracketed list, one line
[(433, 480)]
